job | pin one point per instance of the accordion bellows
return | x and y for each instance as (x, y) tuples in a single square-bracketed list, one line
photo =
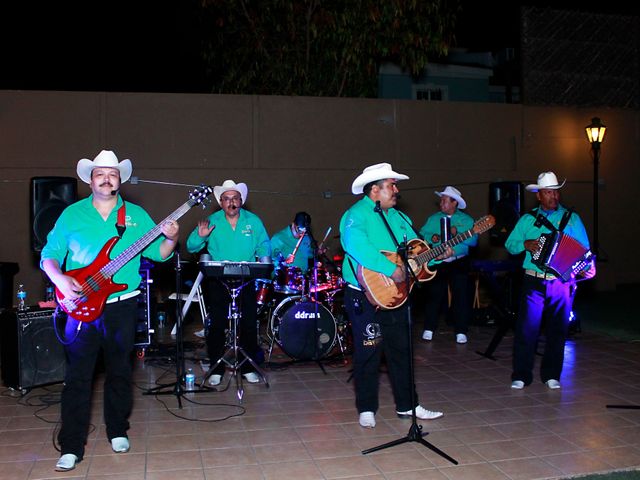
[(562, 255)]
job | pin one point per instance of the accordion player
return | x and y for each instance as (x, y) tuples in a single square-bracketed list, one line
[(562, 255)]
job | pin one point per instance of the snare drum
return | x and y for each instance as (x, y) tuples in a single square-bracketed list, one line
[(289, 280), (305, 330)]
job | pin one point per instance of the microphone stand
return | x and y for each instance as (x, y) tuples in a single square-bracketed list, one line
[(415, 433), (314, 272), (178, 389)]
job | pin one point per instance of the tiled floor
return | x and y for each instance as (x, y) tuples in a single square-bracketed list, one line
[(304, 426)]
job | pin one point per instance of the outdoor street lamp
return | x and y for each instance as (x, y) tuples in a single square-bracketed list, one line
[(595, 133)]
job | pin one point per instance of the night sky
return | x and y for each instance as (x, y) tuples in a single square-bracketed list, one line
[(144, 45)]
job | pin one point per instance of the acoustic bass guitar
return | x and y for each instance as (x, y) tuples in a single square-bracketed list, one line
[(95, 278), (383, 292)]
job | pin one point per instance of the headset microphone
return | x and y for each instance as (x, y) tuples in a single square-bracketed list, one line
[(114, 192)]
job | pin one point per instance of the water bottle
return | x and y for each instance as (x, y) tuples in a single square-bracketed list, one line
[(190, 380), (22, 298), (161, 316)]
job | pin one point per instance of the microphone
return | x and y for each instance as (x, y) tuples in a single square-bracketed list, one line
[(377, 208), (445, 229), (114, 192), (398, 196)]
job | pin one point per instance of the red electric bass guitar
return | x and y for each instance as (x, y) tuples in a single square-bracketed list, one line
[(95, 278)]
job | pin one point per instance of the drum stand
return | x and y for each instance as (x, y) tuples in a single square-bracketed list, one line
[(236, 350)]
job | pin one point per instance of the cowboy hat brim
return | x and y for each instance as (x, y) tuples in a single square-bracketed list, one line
[(534, 187)]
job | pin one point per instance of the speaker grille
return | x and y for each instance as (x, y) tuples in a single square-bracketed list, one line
[(49, 197), (31, 353)]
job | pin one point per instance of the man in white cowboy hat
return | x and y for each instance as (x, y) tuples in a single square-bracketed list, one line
[(543, 294), (454, 266), (363, 234), (77, 238), (237, 235)]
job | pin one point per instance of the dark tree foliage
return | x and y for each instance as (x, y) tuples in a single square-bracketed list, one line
[(319, 47)]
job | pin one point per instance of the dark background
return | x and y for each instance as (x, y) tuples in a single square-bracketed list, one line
[(140, 45)]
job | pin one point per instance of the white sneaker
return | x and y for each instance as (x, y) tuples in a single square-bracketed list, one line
[(517, 384), (367, 420), (66, 462), (427, 335), (421, 413), (552, 384), (215, 380), (251, 377), (199, 333), (461, 338), (120, 444)]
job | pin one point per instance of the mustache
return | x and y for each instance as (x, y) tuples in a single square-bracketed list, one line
[(106, 184), (397, 196)]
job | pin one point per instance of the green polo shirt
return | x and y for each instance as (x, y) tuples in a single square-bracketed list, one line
[(283, 242), (363, 234), (80, 233), (247, 243)]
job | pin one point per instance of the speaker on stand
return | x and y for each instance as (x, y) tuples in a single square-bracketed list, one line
[(31, 355), (49, 197), (506, 205)]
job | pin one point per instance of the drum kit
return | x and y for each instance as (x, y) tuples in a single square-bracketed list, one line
[(301, 311)]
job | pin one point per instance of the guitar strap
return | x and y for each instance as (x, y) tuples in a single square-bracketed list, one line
[(121, 225)]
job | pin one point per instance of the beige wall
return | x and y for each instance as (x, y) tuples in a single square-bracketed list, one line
[(291, 150)]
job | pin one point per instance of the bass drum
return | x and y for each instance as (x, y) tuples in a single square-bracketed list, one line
[(299, 325)]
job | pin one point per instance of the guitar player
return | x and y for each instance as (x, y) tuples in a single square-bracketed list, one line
[(452, 270), (77, 238), (363, 235)]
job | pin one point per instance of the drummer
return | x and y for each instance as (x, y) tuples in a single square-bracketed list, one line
[(297, 234), (233, 234)]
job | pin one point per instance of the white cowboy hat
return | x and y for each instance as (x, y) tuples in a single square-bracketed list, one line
[(455, 194), (546, 180), (373, 173), (227, 185), (107, 159)]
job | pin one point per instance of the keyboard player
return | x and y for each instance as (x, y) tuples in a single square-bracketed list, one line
[(237, 235)]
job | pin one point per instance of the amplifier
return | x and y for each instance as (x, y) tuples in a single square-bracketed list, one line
[(30, 353)]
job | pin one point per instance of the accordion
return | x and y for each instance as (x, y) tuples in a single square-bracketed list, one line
[(562, 255)]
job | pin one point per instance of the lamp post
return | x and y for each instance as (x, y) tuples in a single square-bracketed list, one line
[(595, 133)]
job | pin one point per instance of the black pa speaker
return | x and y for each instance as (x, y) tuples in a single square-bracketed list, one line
[(49, 197), (31, 354), (505, 204)]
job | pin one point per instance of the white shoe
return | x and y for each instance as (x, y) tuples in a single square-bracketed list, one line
[(552, 384), (66, 462), (421, 413), (251, 377), (215, 380), (120, 444), (517, 384), (367, 420), (427, 335), (199, 333), (461, 338)]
